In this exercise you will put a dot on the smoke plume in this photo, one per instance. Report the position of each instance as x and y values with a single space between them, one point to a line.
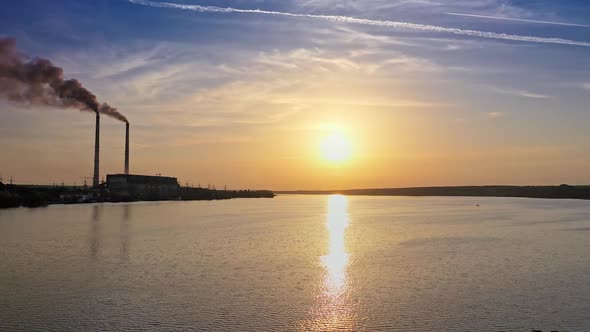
112 112
40 82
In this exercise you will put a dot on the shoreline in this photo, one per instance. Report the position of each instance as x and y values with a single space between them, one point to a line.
12 196
135 201
563 191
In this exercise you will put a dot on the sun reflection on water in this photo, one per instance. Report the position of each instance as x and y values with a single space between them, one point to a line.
336 260
334 309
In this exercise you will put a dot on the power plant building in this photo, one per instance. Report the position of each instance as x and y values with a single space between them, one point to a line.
143 186
130 186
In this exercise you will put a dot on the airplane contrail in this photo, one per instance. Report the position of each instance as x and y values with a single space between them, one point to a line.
519 20
354 20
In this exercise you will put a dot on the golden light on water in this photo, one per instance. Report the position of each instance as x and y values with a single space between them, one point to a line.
334 309
336 260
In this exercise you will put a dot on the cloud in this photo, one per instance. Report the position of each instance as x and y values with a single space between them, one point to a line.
532 95
586 86
303 77
409 63
362 5
522 93
518 20
221 85
354 20
273 88
429 7
495 115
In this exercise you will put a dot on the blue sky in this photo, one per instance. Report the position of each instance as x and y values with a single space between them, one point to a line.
209 91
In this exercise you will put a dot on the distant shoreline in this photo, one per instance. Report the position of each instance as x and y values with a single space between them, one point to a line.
548 192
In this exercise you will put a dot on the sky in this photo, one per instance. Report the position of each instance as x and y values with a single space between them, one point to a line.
241 93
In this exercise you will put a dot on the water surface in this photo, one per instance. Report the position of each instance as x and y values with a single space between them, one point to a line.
300 263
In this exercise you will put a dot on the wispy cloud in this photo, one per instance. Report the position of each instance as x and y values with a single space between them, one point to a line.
518 19
586 86
532 95
408 63
354 20
522 93
290 79
495 115
359 5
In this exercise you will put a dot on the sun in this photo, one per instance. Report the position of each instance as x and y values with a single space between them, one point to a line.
335 148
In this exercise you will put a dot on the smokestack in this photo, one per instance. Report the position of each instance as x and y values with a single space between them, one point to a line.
95 181
127 148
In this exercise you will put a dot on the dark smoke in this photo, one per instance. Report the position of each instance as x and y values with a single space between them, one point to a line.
38 81
111 111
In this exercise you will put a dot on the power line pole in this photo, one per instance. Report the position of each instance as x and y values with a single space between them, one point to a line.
11 188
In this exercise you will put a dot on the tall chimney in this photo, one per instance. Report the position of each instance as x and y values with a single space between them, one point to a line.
95 181
126 147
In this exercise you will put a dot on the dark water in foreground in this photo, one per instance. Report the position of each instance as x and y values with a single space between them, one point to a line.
317 263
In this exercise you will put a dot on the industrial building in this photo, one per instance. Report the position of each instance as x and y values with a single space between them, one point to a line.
129 186
142 186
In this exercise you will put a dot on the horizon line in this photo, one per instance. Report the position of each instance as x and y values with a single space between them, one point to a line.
441 186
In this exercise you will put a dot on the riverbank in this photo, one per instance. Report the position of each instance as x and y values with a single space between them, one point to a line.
38 195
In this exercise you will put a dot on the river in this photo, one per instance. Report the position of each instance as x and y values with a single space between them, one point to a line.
298 263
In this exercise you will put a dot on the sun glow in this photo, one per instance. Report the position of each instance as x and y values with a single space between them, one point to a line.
336 148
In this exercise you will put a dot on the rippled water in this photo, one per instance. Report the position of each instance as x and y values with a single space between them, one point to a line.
298 263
